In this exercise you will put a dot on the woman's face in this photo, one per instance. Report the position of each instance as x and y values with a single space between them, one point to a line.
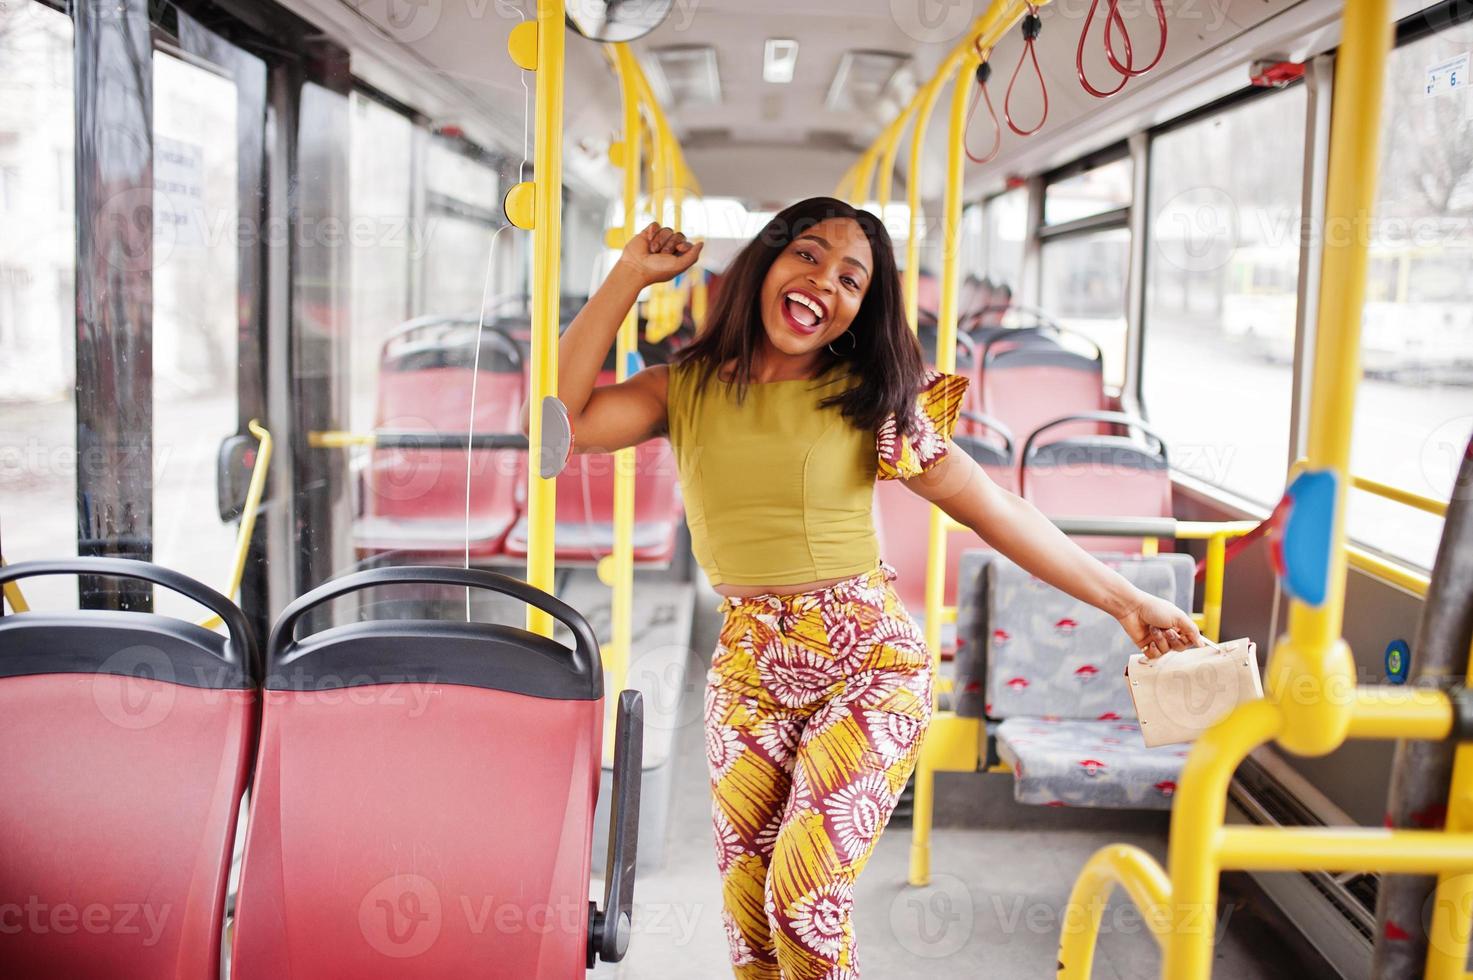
815 286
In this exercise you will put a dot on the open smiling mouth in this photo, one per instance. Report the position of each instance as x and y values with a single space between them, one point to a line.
804 312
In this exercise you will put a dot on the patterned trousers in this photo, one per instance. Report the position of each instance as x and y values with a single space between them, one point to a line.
815 707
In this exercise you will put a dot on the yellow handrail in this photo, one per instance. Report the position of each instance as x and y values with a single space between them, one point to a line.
1400 575
14 595
547 144
946 729
1313 701
255 490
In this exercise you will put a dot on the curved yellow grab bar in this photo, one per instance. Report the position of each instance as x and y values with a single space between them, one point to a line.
254 492
1116 864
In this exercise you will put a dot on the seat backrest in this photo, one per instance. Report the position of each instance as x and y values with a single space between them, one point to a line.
1039 652
1098 476
1033 383
127 740
414 499
424 795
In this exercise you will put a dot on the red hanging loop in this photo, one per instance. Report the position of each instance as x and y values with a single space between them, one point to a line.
1112 19
1032 27
1128 69
984 72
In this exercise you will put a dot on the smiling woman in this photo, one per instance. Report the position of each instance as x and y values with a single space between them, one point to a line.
805 387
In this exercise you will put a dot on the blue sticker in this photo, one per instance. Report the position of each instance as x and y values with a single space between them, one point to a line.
1305 538
633 363
1398 661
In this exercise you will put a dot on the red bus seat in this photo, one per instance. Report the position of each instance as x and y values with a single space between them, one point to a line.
1032 382
414 497
585 503
127 737
1097 475
902 517
424 797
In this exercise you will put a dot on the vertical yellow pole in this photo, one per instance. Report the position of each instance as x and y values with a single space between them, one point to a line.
887 161
1314 660
1311 669
621 613
925 103
546 245
1212 586
920 841
863 178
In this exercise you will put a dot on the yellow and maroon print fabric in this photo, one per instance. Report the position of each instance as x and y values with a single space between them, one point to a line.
935 412
815 707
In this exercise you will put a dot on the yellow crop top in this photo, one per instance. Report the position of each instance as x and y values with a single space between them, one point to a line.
780 491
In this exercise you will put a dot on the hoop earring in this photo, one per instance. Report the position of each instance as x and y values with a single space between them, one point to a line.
853 345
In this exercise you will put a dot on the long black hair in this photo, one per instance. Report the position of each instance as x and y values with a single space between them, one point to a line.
886 356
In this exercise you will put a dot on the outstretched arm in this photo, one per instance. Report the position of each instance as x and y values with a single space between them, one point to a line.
1019 530
625 414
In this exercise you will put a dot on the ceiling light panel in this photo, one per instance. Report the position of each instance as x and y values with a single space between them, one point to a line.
689 74
862 78
779 58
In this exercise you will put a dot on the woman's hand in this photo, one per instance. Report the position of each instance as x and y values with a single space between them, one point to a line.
659 254
1156 626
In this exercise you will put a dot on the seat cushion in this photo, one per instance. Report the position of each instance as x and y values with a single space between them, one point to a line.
1050 654
1088 763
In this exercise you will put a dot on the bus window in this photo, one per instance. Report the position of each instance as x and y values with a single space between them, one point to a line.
194 317
1083 287
1222 272
1004 228
1413 409
38 427
384 243
1095 191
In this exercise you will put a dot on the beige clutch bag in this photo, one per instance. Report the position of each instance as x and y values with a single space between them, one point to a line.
1181 694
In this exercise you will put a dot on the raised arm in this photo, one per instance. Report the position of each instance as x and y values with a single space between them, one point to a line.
1019 530
625 414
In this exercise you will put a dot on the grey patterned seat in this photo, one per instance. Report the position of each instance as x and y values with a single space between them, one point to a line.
1049 669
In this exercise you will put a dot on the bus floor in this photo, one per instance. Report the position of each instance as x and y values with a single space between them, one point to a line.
993 913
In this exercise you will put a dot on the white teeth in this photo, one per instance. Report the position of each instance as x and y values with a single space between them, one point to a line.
800 298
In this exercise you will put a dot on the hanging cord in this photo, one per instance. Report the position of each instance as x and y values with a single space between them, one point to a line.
1112 18
1032 27
1128 70
984 72
470 428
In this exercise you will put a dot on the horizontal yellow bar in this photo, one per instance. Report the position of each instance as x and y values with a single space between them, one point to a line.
1397 574
339 440
1343 849
1402 496
1401 712
1200 530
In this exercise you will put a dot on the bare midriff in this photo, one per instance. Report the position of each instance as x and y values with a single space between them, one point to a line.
747 591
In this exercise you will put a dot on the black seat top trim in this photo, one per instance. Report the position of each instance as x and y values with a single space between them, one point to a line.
402 651
126 644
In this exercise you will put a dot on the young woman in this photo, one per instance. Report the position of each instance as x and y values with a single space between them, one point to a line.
805 386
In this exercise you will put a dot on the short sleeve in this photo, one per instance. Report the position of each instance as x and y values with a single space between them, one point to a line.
934 415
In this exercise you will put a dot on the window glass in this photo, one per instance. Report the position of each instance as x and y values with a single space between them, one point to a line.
194 318
38 511
1004 233
1083 289
1414 407
384 243
1103 188
1222 274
